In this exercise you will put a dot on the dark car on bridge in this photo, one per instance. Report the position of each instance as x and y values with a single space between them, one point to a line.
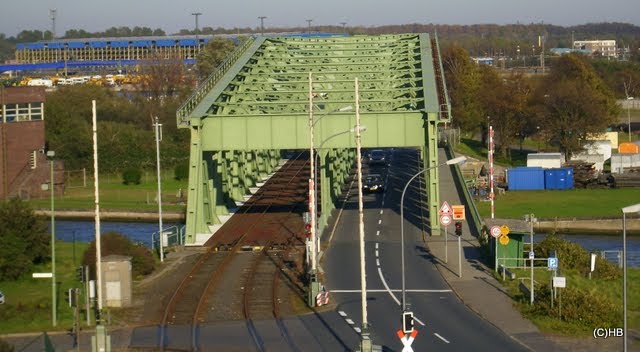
378 157
373 183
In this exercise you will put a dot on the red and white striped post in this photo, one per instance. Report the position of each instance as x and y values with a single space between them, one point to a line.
491 195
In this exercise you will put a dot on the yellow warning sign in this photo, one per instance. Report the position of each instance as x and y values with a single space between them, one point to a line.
504 230
504 240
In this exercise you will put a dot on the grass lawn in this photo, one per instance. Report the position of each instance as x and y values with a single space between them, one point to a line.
28 301
575 203
610 288
116 196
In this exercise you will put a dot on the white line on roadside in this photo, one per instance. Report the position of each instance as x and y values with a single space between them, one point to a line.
376 245
440 337
379 221
342 314
377 262
378 233
381 211
357 329
349 321
384 282
377 253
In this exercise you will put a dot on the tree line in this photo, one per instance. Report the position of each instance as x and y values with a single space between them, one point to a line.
575 100
478 39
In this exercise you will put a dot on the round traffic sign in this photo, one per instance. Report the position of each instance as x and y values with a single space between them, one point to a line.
495 231
504 240
504 230
445 220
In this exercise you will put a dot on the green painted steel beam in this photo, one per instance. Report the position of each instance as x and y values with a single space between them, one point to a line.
260 103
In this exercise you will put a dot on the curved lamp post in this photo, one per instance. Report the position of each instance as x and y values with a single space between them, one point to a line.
454 161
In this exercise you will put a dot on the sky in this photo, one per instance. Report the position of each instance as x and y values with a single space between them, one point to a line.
171 16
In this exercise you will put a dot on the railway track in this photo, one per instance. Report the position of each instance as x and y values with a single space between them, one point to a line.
207 293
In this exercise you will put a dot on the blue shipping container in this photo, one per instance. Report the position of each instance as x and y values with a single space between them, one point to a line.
525 178
558 178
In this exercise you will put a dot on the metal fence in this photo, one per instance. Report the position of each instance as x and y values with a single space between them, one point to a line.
172 236
633 257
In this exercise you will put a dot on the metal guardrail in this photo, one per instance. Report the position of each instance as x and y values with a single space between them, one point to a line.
205 86
174 237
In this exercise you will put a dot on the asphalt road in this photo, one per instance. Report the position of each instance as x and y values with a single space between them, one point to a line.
442 321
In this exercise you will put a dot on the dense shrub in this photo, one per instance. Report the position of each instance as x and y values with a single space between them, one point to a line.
181 171
587 308
142 259
573 256
23 240
131 176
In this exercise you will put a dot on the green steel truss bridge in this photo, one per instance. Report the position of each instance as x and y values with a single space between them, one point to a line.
257 104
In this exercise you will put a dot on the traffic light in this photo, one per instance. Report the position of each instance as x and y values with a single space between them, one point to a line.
407 322
80 274
459 228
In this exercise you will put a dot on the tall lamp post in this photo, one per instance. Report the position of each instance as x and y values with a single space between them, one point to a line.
50 155
626 210
158 129
454 161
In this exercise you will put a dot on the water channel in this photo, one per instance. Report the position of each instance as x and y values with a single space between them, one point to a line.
84 231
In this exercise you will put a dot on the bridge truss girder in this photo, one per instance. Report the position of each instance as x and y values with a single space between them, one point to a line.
260 106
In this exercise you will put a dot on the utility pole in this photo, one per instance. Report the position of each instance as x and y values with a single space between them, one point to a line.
262 24
197 14
344 25
52 15
309 27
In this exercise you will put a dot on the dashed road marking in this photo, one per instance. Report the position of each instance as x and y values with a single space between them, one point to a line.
378 233
379 221
440 337
376 245
349 321
377 262
376 253
342 314
357 329
381 211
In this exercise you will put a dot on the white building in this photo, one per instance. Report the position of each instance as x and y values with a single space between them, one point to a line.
606 48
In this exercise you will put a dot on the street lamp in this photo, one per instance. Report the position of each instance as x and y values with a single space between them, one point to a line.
314 285
50 155
630 209
315 175
158 129
454 161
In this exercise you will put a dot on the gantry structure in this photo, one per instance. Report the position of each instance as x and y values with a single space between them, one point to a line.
257 104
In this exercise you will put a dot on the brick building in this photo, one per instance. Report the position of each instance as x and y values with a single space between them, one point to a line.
24 166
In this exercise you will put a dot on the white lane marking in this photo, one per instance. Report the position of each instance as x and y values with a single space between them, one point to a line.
418 290
381 211
342 314
378 233
376 245
377 262
349 321
357 329
440 337
415 290
379 221
384 282
376 253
